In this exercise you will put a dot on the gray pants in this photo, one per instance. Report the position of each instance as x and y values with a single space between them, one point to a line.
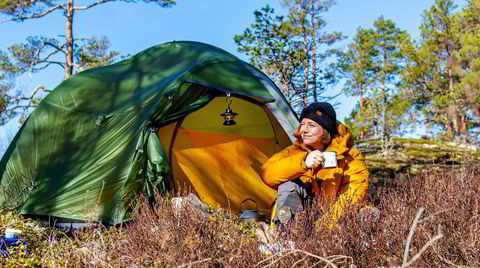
292 197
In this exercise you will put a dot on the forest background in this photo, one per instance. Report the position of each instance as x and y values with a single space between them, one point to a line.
402 69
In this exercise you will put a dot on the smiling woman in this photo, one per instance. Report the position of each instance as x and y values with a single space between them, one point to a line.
299 172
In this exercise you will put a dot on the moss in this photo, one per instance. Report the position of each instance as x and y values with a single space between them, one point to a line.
373 141
426 154
376 160
415 141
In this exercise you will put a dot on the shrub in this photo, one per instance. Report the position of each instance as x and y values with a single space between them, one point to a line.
159 236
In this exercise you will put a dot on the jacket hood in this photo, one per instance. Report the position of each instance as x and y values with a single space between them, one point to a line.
343 141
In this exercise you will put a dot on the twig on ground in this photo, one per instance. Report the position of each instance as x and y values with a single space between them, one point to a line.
195 262
433 215
429 243
410 235
329 261
406 262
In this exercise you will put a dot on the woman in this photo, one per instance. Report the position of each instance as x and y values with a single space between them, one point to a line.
298 174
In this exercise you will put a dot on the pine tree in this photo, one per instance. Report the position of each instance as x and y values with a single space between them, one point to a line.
357 65
21 10
40 52
373 63
467 25
270 46
432 69
387 40
282 48
305 17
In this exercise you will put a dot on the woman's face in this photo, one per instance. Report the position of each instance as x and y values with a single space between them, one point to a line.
312 134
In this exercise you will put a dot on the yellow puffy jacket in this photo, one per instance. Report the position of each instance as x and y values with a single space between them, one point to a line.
341 186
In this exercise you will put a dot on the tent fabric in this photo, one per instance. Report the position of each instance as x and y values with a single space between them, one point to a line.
203 130
92 144
229 173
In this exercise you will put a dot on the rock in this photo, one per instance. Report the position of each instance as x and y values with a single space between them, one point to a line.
369 214
277 248
430 146
179 203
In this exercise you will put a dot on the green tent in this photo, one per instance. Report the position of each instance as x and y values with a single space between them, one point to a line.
149 122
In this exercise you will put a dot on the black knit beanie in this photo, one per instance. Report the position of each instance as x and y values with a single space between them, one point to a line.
322 113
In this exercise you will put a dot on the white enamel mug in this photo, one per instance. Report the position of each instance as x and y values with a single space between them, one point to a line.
11 233
330 159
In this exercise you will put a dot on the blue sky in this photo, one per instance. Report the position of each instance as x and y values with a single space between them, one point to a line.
132 28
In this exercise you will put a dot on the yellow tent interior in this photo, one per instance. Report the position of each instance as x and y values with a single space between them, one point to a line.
222 163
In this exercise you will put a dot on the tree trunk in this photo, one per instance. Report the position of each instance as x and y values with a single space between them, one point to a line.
374 121
449 125
384 97
464 127
384 114
454 115
305 65
68 68
285 90
362 132
314 56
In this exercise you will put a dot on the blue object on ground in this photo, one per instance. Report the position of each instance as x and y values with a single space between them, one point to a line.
6 242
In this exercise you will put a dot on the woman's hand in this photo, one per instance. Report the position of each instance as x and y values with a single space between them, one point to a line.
314 159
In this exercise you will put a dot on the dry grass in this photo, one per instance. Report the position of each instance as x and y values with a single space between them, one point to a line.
430 219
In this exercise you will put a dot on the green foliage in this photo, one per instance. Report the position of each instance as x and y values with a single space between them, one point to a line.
40 52
414 141
288 49
94 53
37 54
436 68
467 26
20 10
372 65
270 46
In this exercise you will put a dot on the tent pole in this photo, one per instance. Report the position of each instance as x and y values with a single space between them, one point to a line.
265 109
170 150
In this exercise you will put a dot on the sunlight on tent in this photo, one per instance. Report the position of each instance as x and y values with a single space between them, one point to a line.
221 163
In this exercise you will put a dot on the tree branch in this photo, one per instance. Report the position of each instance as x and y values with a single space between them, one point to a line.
92 5
47 64
56 47
35 16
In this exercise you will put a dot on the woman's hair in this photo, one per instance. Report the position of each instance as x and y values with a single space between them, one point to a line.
298 135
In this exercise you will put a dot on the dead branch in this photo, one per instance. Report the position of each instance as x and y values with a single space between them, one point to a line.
433 215
410 234
406 262
195 262
329 261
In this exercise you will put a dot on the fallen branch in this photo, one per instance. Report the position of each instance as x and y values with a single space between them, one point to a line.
406 262
328 261
410 235
195 262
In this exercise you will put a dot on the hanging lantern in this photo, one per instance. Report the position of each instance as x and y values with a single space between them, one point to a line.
229 115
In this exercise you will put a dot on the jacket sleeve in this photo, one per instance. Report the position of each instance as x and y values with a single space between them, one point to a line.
285 165
354 183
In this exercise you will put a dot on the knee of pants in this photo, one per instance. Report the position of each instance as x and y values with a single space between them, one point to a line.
286 187
287 196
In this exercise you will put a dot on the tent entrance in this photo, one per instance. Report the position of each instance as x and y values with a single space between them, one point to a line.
222 163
